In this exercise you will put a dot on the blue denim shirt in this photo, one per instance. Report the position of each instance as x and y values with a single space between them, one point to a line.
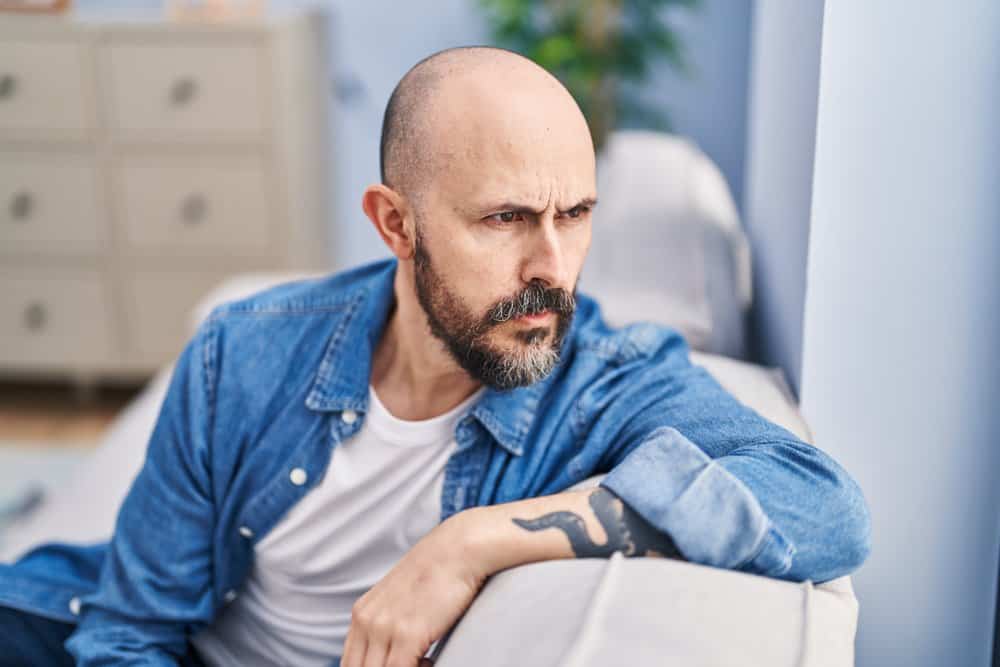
270 385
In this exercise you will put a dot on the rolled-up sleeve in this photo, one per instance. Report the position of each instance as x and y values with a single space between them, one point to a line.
711 515
732 489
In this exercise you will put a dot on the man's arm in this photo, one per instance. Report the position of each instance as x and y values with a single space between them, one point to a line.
590 523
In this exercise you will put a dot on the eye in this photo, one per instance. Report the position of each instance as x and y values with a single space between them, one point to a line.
578 211
506 217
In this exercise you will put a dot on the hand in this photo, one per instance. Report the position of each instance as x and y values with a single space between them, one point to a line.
421 597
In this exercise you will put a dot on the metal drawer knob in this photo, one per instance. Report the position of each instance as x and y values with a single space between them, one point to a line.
8 85
35 316
194 209
183 91
21 205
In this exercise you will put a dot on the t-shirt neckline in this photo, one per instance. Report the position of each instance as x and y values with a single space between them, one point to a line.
415 433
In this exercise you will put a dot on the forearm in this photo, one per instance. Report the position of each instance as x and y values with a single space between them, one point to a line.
592 523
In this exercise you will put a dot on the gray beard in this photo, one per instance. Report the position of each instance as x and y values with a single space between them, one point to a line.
465 336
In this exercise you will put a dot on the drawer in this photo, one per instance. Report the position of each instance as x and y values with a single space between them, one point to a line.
205 206
54 318
187 88
159 308
49 202
42 86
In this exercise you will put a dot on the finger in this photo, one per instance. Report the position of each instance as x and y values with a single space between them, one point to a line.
354 649
399 656
375 653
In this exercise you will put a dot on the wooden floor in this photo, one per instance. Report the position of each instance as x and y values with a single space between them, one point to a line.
58 414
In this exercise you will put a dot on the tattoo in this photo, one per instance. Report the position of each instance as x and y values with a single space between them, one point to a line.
626 530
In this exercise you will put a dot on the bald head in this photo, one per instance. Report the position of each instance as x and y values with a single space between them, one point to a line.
463 95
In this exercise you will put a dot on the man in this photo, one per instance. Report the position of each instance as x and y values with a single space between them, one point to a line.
341 463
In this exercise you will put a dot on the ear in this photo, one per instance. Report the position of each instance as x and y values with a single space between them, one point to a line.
388 210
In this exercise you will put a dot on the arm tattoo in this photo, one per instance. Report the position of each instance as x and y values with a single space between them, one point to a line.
627 531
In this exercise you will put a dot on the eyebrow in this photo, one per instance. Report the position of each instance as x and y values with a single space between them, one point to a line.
521 208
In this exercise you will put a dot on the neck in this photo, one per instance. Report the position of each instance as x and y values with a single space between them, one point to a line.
412 372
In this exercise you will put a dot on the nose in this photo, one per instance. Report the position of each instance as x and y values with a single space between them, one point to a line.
545 261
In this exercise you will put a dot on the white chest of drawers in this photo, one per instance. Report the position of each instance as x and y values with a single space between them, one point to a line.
142 162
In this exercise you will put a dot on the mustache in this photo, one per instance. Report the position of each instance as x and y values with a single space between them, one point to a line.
533 299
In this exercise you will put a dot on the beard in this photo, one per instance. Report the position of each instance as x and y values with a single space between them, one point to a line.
466 335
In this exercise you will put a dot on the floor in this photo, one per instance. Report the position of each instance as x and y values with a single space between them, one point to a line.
47 415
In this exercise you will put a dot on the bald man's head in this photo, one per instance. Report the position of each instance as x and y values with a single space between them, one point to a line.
412 133
489 179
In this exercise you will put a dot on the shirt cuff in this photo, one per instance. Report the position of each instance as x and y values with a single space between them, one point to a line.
712 517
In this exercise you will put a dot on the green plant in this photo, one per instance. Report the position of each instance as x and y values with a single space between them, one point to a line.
599 49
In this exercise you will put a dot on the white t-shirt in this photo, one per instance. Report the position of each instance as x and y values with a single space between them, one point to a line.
380 495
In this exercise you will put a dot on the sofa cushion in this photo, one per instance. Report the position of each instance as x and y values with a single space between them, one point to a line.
669 248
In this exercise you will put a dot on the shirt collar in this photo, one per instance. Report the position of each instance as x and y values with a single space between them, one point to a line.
342 378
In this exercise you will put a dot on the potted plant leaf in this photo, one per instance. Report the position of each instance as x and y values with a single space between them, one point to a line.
599 49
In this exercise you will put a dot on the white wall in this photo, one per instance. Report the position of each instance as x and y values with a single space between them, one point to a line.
901 369
780 141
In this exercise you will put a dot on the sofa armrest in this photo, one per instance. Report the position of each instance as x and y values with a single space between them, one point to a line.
649 611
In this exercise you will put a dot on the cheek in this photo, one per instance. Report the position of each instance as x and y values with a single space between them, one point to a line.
475 283
455 260
485 275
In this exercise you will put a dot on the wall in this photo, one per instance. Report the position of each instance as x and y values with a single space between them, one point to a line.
710 104
780 142
901 373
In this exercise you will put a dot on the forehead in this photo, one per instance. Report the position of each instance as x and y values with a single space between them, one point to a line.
514 147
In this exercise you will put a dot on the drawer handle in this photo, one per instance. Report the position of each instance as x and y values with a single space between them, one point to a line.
35 316
194 209
8 86
20 205
183 91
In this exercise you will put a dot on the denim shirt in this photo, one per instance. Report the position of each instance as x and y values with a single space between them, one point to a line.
271 384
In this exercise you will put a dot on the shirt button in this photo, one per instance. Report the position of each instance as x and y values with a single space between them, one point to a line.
74 606
349 416
298 476
230 596
246 532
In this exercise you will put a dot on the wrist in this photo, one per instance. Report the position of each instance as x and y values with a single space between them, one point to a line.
475 549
